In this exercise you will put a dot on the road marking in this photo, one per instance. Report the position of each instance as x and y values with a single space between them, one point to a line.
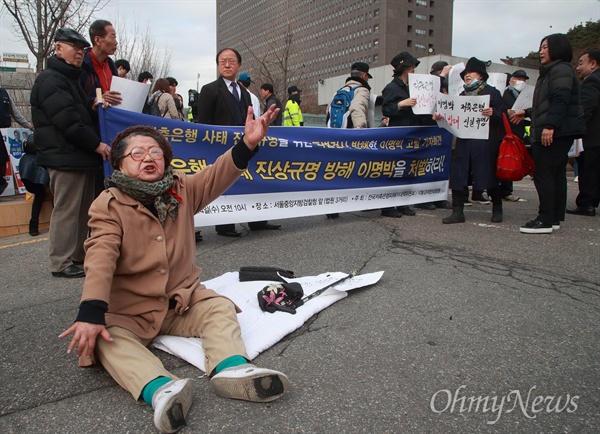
24 242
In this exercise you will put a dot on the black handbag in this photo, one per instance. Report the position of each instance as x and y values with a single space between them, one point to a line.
284 297
276 274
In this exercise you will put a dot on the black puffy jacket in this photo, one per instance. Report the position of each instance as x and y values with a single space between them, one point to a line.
64 130
557 103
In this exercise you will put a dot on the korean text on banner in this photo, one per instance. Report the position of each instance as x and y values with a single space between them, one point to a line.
307 171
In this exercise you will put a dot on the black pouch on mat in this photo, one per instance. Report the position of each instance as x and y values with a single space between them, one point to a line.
284 297
248 274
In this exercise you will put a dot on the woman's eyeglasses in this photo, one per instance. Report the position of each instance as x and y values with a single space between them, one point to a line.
138 154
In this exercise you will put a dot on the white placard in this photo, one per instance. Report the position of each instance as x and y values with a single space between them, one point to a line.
525 99
461 115
498 80
424 88
133 93
455 81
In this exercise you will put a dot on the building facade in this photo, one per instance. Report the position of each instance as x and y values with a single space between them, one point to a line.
303 41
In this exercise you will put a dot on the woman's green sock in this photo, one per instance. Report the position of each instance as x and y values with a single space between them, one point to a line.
150 389
230 362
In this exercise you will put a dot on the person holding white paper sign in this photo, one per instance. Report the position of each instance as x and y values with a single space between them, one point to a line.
398 107
474 160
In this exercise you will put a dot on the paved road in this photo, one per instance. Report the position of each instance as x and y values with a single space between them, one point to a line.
473 327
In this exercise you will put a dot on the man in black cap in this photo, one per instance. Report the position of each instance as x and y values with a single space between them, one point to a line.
357 115
441 69
515 86
397 106
69 147
245 80
292 116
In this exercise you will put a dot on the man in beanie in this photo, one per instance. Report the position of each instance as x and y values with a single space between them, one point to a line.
69 147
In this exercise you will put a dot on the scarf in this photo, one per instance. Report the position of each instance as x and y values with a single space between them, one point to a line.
475 89
160 193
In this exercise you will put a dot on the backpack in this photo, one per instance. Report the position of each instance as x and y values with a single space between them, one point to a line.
339 109
153 104
513 161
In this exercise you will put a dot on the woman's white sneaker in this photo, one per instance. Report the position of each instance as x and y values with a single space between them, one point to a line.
171 404
250 383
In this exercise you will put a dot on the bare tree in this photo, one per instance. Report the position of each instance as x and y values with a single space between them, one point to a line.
37 20
273 64
139 48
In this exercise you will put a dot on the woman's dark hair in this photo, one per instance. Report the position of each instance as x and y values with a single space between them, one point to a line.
161 84
559 47
119 144
236 52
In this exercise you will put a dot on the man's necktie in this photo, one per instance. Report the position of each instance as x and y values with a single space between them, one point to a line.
234 91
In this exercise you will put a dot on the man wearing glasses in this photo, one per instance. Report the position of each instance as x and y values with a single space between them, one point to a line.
69 147
224 102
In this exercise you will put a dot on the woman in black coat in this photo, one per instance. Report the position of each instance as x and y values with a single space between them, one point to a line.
397 107
555 123
475 159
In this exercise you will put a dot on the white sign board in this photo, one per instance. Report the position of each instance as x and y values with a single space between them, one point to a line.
424 88
133 93
525 99
498 80
461 115
455 81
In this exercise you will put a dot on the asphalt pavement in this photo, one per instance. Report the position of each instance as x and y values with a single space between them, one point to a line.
473 327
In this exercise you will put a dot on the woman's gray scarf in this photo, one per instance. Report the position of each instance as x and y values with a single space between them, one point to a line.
160 193
474 90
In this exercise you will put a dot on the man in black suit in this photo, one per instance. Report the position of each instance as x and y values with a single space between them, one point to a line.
224 102
587 200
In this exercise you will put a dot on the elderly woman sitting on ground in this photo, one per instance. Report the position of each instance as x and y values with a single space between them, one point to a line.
142 279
